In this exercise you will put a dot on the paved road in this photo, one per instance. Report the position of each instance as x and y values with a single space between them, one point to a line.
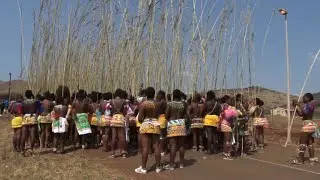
272 163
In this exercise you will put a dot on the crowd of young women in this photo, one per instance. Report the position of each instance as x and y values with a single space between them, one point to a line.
152 123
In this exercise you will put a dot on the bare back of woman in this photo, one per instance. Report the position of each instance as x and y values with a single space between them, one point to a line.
176 114
211 120
29 127
81 108
161 106
45 120
195 112
149 131
118 124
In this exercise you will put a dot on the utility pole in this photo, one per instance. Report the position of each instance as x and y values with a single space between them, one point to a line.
285 13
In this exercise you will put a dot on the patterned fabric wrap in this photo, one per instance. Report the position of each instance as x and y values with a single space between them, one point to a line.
150 126
197 123
176 128
107 111
16 122
241 126
230 112
29 119
308 108
259 121
225 126
82 124
211 120
45 119
162 120
95 119
309 126
105 121
129 110
227 116
118 120
60 125
15 108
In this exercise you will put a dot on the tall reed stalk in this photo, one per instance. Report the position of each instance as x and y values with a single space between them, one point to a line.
103 45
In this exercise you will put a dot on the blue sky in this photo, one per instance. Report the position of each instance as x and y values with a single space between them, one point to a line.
304 41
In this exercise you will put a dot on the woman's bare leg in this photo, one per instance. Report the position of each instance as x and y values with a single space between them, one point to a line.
173 144
214 139
55 141
14 140
156 146
25 136
122 140
144 140
33 131
47 135
94 137
114 140
227 145
302 146
310 146
209 139
106 138
19 134
43 134
61 140
181 145
195 136
163 141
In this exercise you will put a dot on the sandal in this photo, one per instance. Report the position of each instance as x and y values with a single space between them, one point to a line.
227 157
201 148
315 159
112 155
194 148
158 169
296 161
140 170
168 167
124 156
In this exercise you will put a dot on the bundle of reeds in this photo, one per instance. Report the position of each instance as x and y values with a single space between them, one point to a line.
108 44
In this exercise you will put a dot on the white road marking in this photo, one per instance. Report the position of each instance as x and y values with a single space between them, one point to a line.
282 165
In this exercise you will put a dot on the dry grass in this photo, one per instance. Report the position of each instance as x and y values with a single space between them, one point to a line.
73 165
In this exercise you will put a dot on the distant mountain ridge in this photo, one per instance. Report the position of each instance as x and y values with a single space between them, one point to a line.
17 87
271 98
316 96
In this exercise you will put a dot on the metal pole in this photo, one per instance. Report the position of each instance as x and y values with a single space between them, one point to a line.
288 82
9 93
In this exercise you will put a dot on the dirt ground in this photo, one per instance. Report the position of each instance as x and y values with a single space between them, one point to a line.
72 165
95 164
